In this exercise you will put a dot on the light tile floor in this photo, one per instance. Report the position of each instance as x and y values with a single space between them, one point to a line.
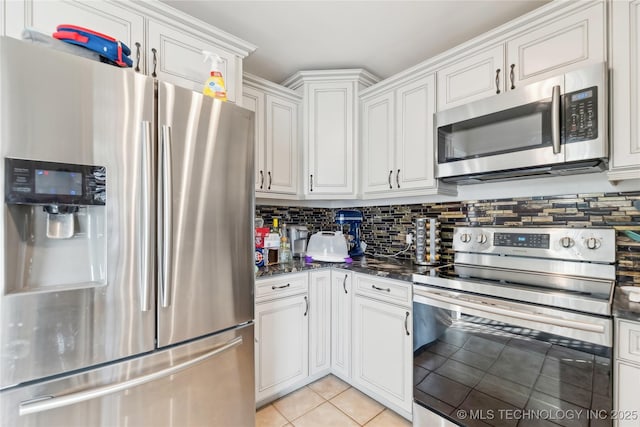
327 402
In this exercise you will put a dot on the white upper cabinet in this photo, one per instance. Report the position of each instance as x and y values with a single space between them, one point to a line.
474 77
164 42
281 165
416 104
175 56
106 18
277 137
253 99
625 90
378 148
398 139
562 43
330 124
554 42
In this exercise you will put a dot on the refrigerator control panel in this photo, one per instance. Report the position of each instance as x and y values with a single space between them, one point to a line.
37 182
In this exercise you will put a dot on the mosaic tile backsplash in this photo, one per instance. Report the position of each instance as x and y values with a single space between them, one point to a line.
384 227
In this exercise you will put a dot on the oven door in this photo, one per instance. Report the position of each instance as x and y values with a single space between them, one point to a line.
485 361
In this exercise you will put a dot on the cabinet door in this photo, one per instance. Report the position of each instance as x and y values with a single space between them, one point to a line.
103 17
625 97
415 106
253 99
319 321
627 402
551 48
282 344
330 139
382 351
378 142
179 60
281 146
475 77
341 299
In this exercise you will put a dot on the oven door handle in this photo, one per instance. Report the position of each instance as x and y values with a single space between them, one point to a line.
492 309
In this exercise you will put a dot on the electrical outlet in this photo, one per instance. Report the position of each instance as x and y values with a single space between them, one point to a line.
409 238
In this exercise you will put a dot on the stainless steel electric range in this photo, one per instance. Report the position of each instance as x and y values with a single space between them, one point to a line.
517 331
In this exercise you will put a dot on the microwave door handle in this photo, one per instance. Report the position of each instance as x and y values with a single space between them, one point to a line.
555 119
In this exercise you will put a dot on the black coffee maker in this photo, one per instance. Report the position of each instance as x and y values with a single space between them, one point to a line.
353 218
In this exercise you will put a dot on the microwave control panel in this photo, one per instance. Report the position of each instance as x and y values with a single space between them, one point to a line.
35 182
581 115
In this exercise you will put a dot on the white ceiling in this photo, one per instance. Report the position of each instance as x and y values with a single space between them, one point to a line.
384 37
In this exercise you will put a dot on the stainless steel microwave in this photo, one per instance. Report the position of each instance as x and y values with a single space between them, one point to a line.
557 126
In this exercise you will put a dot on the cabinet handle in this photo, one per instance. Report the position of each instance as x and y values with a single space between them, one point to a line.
498 80
306 301
381 289
344 284
155 62
269 187
261 180
311 182
406 322
137 57
398 178
280 287
512 76
390 186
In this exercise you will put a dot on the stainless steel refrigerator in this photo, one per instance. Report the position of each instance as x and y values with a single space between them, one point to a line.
127 263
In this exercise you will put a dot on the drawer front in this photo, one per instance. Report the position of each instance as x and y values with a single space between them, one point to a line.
393 291
281 286
628 341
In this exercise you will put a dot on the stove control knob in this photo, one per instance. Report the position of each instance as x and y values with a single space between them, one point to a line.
465 237
481 238
592 243
566 242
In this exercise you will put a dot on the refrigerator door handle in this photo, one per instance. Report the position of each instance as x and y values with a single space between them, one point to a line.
145 255
167 220
41 404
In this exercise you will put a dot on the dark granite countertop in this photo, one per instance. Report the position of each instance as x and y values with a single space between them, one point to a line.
390 268
622 308
399 269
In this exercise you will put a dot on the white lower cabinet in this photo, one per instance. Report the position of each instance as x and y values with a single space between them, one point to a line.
627 374
382 346
319 322
341 301
356 326
281 336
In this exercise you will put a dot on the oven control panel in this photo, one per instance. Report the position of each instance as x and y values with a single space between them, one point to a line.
575 244
522 240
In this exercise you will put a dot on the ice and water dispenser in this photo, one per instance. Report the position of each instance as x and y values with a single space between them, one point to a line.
55 225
